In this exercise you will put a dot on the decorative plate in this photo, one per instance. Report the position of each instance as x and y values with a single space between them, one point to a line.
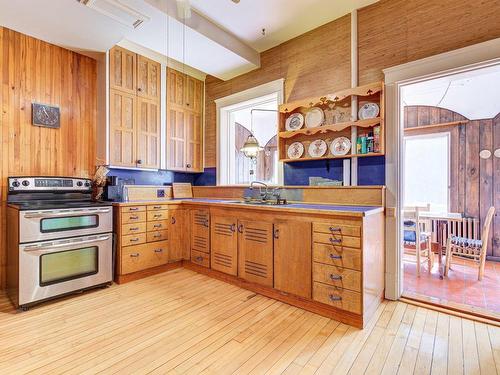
295 150
368 110
317 148
340 146
294 122
314 117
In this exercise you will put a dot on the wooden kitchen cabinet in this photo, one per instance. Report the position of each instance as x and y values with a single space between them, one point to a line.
178 234
123 135
224 244
122 70
148 78
200 230
134 118
292 257
148 133
255 252
184 122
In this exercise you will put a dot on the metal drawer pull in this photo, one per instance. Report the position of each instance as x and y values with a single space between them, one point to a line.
156 207
335 240
157 215
173 220
134 255
233 228
335 298
335 229
135 228
335 277
199 259
206 223
276 233
240 228
333 256
134 239
133 209
157 235
157 226
134 217
76 212
158 250
64 244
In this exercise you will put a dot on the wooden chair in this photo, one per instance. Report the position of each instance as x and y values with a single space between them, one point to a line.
417 237
470 248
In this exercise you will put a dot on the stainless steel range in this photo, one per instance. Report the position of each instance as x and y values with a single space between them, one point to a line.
59 241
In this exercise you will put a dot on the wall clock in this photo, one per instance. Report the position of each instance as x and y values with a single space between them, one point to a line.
46 115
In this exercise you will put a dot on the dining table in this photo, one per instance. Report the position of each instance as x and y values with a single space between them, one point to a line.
442 220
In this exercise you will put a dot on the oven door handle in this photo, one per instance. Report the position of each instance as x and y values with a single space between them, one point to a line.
67 244
47 214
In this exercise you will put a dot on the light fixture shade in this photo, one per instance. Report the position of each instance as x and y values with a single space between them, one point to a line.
251 147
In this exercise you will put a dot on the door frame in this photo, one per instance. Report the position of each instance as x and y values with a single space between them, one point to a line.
461 60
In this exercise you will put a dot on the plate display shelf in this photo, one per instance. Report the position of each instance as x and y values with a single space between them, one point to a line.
338 122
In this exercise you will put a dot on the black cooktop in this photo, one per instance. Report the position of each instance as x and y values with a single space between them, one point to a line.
53 205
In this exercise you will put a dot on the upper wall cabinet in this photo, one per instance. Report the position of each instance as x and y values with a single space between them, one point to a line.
184 122
148 78
122 70
134 111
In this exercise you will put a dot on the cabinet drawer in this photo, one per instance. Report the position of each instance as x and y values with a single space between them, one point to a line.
133 239
157 225
335 228
133 209
337 276
200 258
159 235
141 257
337 256
341 298
158 215
156 207
133 217
337 240
133 228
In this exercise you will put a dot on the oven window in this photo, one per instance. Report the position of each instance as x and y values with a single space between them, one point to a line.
68 265
59 224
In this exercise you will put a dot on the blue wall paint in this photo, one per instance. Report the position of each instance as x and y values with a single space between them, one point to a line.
298 173
371 171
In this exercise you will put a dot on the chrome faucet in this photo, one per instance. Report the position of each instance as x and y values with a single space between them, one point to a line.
263 195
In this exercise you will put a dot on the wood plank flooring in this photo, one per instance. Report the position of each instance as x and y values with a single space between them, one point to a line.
181 322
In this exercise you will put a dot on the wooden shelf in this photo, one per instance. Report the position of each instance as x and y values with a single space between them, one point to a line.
331 128
328 157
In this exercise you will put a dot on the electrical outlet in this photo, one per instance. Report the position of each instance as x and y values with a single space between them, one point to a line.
160 193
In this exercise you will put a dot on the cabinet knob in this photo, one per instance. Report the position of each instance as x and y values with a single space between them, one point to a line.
139 89
188 165
187 104
199 259
139 162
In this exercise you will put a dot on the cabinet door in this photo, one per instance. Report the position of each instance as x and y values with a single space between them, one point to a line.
148 78
199 90
176 93
255 247
122 122
224 244
178 235
122 70
200 230
148 133
194 154
176 139
292 257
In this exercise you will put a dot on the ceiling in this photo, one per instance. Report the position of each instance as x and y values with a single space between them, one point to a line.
282 19
220 38
472 94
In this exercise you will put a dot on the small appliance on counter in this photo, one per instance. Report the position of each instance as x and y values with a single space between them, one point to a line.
59 241
113 190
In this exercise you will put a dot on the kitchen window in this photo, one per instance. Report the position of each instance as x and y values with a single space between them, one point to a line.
249 113
427 171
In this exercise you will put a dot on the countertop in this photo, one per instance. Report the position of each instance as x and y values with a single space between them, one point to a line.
291 207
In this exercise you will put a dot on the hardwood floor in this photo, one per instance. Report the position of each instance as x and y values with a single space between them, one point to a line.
182 322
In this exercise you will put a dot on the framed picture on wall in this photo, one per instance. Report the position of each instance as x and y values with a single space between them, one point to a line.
46 115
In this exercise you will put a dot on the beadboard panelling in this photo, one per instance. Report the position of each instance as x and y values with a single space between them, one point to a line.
34 71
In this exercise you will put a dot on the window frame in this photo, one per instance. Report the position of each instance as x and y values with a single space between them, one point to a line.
231 103
446 135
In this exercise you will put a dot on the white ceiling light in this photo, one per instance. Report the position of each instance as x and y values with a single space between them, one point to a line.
118 11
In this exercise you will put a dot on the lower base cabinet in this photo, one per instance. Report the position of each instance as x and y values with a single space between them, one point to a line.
179 235
141 257
224 244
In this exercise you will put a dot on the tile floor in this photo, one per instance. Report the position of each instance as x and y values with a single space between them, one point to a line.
461 287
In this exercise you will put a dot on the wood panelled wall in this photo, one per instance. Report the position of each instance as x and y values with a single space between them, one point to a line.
34 71
475 182
390 32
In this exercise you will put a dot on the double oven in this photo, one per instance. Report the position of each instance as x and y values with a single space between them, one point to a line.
63 241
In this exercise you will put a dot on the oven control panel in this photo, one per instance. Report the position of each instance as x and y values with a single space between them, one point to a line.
49 184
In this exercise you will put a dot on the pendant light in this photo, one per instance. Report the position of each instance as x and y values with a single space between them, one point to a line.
251 147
